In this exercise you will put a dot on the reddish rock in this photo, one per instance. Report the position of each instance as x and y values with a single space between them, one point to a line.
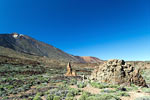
70 72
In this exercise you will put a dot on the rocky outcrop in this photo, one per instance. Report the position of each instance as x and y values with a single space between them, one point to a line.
118 72
70 72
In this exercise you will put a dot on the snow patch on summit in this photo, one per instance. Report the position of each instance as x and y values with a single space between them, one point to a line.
16 35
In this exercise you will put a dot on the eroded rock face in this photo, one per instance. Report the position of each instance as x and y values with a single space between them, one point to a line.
70 72
118 72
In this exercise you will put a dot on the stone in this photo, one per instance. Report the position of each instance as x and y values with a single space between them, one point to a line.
70 72
116 71
122 89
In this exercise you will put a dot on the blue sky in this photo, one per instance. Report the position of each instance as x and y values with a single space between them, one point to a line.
102 28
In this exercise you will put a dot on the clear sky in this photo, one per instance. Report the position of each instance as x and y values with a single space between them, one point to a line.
102 28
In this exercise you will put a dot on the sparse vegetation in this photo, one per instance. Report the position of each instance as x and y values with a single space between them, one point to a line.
103 85
146 75
81 84
143 98
146 90
86 96
51 84
37 97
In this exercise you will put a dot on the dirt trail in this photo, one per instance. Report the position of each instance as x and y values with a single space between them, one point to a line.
134 95
89 88
92 90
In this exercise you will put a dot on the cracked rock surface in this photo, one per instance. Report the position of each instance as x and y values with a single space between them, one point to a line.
116 71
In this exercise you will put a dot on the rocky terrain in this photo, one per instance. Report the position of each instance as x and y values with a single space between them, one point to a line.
118 72
24 79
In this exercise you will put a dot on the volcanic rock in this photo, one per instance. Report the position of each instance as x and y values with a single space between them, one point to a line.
118 72
70 72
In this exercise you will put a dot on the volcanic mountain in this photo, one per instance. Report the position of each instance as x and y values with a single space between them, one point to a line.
25 44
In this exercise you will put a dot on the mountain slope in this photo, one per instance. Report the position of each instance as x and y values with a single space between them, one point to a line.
28 45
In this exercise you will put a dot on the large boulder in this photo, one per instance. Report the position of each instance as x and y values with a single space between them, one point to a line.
118 72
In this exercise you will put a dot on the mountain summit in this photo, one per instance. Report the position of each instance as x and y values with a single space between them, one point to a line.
25 44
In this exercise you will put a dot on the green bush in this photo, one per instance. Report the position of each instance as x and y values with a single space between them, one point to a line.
74 91
122 94
108 97
69 98
73 82
146 75
37 97
50 97
146 90
103 85
143 98
134 87
115 92
5 98
113 86
108 91
64 82
63 86
56 98
70 94
84 96
93 98
102 97
81 84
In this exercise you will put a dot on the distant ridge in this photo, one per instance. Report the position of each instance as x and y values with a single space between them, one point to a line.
89 59
25 44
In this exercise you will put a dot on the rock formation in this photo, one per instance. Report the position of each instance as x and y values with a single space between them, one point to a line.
70 72
118 72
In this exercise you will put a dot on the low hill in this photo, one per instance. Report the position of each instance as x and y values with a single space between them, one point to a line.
88 59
